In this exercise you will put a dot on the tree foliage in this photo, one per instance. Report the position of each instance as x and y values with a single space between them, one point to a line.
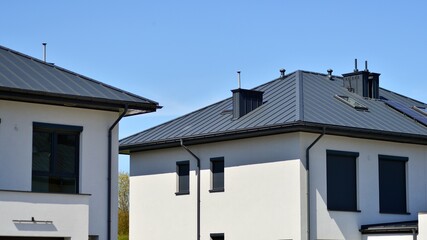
123 203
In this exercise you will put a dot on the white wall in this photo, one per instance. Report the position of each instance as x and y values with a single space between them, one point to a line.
345 225
265 189
262 198
398 236
72 222
422 226
16 129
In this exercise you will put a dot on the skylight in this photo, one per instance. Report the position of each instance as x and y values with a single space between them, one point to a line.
352 102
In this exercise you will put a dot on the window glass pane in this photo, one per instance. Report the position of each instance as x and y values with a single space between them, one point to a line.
217 236
65 161
62 185
341 182
40 184
55 159
183 177
392 181
217 174
42 147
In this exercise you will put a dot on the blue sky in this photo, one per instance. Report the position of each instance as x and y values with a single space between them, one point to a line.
185 54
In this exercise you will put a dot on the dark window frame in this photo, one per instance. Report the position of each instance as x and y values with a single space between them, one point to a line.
383 159
215 236
179 178
214 175
352 178
54 130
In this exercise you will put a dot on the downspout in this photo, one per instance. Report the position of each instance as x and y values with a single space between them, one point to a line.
307 157
414 234
198 186
110 130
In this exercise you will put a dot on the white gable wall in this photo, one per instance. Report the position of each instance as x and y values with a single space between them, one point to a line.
345 225
265 189
16 130
262 198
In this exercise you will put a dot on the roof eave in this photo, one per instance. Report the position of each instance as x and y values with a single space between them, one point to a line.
279 129
135 108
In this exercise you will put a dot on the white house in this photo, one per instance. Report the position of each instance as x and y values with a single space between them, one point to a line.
59 150
305 156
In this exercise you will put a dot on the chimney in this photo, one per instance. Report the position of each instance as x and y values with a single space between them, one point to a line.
245 101
364 83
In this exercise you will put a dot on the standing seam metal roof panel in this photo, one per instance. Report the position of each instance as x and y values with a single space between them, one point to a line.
321 107
24 73
300 97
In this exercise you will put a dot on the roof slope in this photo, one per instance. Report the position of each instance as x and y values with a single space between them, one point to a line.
20 73
300 99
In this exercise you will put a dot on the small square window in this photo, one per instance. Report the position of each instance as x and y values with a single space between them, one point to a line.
183 177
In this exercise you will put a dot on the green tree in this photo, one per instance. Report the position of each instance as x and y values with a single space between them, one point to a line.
123 204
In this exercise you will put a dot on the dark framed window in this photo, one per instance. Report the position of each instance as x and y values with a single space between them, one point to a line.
217 174
392 184
55 163
217 236
183 177
341 174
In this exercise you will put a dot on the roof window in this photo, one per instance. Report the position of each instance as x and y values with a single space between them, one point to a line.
352 102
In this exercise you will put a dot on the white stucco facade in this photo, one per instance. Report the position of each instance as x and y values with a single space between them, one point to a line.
265 190
345 225
258 201
73 216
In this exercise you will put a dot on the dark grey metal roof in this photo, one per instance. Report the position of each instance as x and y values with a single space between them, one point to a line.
22 75
300 101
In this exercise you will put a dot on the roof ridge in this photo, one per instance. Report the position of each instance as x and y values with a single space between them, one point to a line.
276 79
400 95
318 73
75 74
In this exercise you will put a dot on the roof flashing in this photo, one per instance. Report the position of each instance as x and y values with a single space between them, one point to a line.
352 102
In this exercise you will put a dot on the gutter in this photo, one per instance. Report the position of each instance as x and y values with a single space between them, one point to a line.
110 130
307 157
279 129
198 186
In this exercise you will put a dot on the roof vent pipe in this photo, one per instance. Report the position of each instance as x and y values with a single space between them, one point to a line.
355 65
282 73
330 74
366 66
238 79
44 51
